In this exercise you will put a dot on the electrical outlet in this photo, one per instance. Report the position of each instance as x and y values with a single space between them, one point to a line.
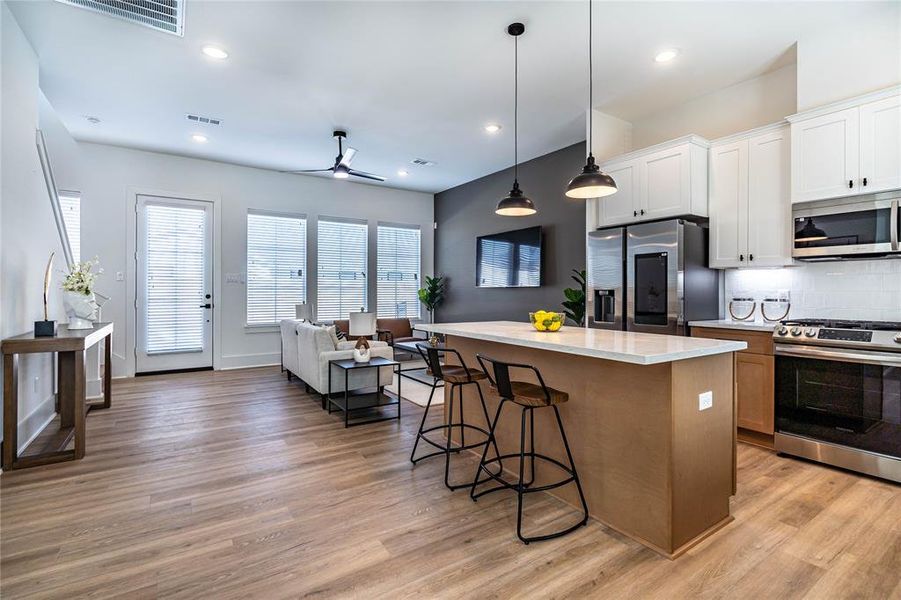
705 400
120 276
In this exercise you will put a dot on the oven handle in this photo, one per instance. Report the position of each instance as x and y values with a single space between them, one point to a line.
895 225
885 359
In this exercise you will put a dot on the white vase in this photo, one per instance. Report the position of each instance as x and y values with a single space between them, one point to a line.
81 309
361 355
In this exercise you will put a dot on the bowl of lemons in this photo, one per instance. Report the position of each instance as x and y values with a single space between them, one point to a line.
543 320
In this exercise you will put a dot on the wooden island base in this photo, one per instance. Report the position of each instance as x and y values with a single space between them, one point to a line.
653 466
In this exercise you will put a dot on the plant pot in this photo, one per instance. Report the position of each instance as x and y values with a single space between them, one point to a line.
81 309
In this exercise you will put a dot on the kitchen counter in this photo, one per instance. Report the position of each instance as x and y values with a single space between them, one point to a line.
741 325
620 346
650 421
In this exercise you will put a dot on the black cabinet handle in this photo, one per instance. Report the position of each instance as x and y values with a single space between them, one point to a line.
750 257
642 211
741 257
634 213
850 183
864 181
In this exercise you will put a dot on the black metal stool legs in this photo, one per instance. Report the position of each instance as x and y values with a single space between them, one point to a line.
448 447
522 487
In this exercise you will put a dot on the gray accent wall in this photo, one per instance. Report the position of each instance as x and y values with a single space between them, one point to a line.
467 211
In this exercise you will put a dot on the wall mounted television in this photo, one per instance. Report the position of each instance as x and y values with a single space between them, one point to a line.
509 259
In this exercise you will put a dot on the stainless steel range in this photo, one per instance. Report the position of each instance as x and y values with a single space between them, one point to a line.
838 394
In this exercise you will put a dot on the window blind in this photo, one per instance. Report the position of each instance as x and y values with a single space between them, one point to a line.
70 203
276 267
397 285
175 278
341 268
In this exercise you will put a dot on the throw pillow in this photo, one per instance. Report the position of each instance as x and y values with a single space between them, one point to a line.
334 334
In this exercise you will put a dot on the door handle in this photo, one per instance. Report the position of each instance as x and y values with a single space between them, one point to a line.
207 305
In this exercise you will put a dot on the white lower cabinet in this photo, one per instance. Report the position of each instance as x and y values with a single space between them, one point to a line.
750 204
663 181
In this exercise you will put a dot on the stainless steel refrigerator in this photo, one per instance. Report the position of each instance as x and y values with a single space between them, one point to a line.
651 277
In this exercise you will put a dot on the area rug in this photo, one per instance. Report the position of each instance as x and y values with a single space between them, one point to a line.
414 391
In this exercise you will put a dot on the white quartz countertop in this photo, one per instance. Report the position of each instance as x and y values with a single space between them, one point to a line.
622 346
730 324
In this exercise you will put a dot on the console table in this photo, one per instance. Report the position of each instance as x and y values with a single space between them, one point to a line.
70 347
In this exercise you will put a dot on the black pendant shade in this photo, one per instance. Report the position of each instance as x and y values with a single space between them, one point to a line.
515 204
810 233
591 182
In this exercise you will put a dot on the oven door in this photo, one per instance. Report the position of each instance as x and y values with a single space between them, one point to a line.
850 398
836 230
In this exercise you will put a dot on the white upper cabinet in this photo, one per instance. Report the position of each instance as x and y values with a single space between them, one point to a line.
880 145
848 148
728 204
621 206
750 209
663 181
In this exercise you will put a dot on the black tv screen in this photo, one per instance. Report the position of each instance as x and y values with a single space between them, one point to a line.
509 259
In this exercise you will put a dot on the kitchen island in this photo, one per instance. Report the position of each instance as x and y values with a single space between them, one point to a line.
656 462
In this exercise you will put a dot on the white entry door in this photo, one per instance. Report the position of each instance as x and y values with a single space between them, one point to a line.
174 324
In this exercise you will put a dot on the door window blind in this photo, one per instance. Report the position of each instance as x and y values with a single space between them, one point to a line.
276 267
397 285
175 278
342 256
70 203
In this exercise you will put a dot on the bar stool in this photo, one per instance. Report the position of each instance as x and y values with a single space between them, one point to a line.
529 396
457 377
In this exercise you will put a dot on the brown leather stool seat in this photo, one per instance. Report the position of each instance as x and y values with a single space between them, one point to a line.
530 394
452 374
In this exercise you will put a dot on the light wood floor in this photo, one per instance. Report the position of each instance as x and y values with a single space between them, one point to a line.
236 485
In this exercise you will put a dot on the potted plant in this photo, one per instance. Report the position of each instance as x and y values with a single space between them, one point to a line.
432 295
78 294
574 305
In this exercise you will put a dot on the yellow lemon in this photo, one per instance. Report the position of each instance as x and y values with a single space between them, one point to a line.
539 324
555 325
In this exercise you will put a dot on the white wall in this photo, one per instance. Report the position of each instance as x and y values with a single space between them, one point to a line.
111 177
854 59
26 219
868 289
746 105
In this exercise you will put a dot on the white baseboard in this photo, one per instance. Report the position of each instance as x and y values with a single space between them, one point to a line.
243 361
275 364
35 421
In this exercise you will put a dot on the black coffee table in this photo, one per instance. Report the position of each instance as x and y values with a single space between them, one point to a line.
419 374
363 399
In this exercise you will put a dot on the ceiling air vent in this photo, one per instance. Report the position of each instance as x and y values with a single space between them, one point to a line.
421 162
204 120
162 15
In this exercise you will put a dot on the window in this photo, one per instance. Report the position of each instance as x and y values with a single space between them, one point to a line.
276 266
342 250
70 204
398 271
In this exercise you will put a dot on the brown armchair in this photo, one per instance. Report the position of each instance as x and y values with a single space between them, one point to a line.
394 330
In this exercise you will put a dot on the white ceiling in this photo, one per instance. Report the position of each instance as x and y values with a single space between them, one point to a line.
406 79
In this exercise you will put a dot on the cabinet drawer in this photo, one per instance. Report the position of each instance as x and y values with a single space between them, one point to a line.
759 342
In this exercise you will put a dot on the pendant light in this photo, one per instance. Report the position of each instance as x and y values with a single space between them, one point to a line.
810 233
516 204
591 182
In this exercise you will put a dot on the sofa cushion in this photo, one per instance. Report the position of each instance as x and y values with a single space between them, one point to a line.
342 326
333 334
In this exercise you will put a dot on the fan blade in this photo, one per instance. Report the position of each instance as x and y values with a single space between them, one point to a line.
365 175
310 170
348 157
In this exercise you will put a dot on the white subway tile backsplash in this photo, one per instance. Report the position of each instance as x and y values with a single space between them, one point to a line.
839 290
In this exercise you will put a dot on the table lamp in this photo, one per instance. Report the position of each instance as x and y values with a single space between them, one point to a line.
362 326
303 311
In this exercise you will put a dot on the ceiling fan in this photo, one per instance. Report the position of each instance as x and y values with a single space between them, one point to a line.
341 169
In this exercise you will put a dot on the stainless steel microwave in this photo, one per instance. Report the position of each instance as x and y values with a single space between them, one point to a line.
845 229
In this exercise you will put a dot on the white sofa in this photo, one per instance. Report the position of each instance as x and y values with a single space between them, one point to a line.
307 350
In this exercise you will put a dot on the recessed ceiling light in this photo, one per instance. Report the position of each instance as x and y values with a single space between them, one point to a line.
215 52
666 55
492 127
199 138
402 173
